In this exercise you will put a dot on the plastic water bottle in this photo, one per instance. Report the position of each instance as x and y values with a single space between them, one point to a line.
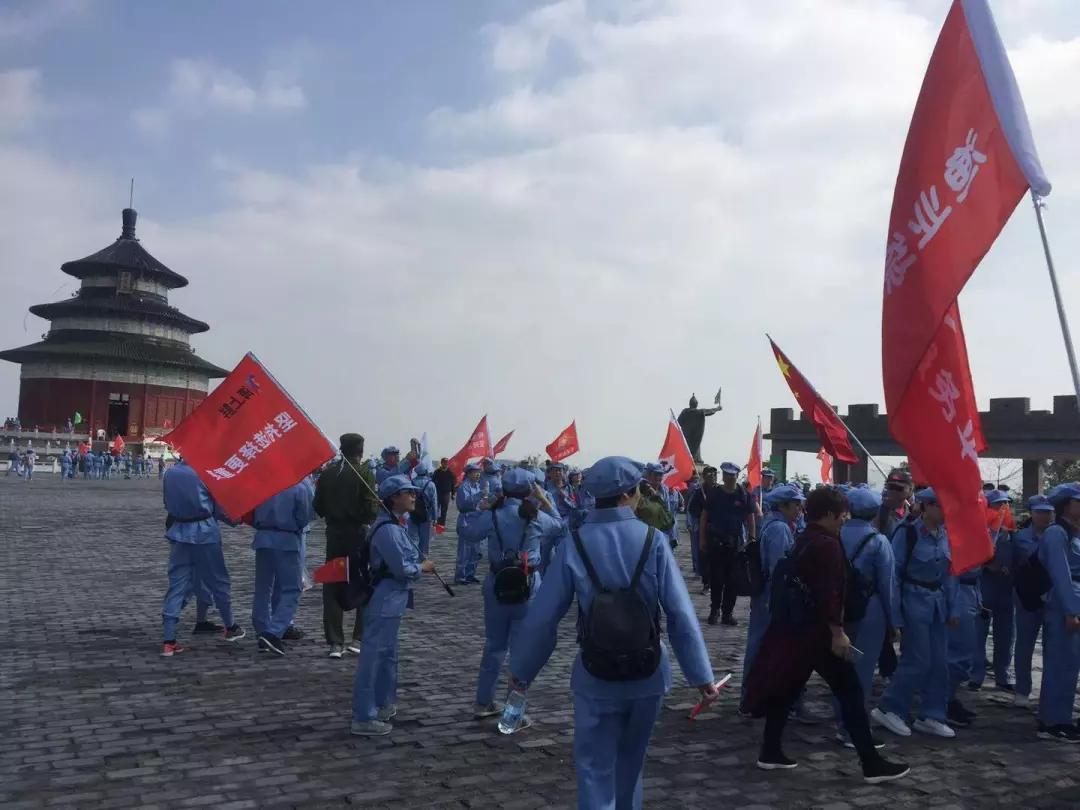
513 712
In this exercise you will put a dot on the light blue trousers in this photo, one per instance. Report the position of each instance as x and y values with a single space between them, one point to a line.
610 741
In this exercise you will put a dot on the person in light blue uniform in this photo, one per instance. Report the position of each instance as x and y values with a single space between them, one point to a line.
693 512
928 605
613 720
279 530
395 565
99 464
195 550
996 585
584 502
420 531
784 504
65 465
470 496
561 498
1025 550
491 478
871 554
768 482
1059 553
654 475
510 530
391 465
966 647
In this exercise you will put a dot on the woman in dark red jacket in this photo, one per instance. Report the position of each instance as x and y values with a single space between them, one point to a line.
789 654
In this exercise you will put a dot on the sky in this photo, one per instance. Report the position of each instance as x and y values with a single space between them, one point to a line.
416 213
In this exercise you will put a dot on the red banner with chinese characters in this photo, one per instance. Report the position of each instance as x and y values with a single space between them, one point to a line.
478 446
968 160
676 452
565 444
248 440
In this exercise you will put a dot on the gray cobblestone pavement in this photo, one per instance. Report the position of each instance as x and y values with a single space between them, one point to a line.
92 716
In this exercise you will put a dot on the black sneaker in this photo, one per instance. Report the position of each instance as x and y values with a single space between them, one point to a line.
775 762
882 770
713 614
729 620
1062 733
207 627
272 643
1006 687
974 687
704 588
958 715
234 633
292 633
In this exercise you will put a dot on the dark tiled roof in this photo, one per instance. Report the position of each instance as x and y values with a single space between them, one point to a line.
124 254
122 305
112 346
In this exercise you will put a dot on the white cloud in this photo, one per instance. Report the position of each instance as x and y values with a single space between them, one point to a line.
20 98
36 17
649 192
201 87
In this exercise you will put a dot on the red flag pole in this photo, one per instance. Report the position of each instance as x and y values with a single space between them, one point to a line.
1065 333
842 422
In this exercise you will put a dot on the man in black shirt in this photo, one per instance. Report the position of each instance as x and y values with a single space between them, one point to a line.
728 513
445 484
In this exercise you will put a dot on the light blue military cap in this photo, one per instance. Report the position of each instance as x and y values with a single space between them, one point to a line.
654 468
389 451
785 493
863 500
612 476
556 465
727 468
1039 503
996 496
395 484
767 473
517 482
488 462
926 495
472 466
1064 492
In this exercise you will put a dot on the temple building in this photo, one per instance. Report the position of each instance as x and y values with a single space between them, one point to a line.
116 352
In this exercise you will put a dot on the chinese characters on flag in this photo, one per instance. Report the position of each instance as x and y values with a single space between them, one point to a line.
478 446
248 440
676 452
565 444
968 160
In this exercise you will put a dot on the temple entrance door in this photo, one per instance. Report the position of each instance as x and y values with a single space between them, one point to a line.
119 405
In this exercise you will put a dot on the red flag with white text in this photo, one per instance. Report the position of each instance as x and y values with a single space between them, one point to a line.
565 444
968 160
249 439
478 446
753 466
502 444
676 452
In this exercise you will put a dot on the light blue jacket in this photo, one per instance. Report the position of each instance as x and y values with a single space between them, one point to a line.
280 521
430 495
777 540
875 562
613 539
189 501
1059 552
468 497
396 560
929 563
517 535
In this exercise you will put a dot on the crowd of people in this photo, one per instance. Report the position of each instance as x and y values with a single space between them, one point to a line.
87 464
836 576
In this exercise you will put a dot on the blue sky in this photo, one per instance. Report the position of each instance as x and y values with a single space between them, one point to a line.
419 212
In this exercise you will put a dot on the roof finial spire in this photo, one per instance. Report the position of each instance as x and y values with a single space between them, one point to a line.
131 194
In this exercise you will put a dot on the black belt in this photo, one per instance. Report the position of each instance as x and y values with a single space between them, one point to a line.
930 586
973 581
278 529
171 520
1076 577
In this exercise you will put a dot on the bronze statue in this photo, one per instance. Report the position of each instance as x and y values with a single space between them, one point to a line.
692 422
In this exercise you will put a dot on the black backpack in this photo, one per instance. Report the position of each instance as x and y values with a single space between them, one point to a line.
1032 581
419 513
357 592
619 636
511 585
859 589
791 604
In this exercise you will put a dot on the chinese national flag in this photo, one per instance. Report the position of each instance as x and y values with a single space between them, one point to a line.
968 160
478 446
248 440
502 444
753 466
676 452
830 429
565 444
335 570
826 466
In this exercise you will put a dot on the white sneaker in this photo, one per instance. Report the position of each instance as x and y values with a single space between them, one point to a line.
353 647
387 713
935 727
1022 701
336 651
891 721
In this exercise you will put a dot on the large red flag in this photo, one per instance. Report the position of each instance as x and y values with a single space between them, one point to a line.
502 444
676 452
249 439
753 466
565 444
478 446
117 446
830 429
968 159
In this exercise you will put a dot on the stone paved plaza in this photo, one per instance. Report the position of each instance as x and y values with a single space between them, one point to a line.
92 716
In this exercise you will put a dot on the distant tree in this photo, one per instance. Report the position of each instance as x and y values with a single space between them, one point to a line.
1060 471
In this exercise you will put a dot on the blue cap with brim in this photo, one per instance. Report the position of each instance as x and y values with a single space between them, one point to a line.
390 451
612 476
995 497
926 496
1039 503
517 482
786 493
1063 493
863 500
395 484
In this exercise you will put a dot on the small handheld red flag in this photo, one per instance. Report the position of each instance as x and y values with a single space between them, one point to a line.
676 452
753 466
565 444
502 444
117 446
249 439
478 446
335 570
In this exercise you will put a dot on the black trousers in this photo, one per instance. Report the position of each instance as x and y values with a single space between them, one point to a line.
721 565
843 680
444 507
887 661
340 540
